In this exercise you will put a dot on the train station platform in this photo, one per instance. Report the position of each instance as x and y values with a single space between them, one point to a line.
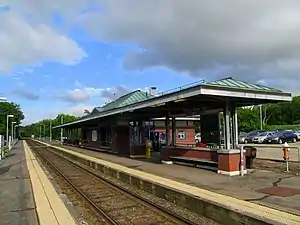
263 193
27 195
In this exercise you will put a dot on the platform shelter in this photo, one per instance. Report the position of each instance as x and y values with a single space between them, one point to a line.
121 126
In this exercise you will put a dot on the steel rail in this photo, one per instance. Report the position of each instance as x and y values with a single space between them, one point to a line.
97 208
169 214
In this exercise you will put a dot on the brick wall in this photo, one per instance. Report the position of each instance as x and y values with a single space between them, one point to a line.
189 135
122 145
207 154
88 136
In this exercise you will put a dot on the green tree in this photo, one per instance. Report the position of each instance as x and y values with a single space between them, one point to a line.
7 108
248 119
284 113
42 128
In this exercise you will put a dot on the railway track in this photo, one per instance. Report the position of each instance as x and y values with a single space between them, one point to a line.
110 201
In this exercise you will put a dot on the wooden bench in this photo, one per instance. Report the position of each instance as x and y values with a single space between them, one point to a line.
202 163
212 145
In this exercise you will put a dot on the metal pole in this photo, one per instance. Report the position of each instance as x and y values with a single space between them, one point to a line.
242 161
50 138
44 131
261 117
12 131
61 129
7 124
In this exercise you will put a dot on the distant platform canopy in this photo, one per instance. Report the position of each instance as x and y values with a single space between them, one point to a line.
186 101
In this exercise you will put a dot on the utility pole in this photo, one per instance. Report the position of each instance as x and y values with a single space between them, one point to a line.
261 117
7 127
50 130
61 129
44 131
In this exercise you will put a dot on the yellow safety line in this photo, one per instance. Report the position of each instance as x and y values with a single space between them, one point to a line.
50 208
234 204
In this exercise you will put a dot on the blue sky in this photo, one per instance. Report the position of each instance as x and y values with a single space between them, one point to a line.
66 56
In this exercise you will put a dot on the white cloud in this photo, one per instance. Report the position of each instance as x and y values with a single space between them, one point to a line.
198 35
78 110
35 115
24 44
77 95
26 94
22 91
43 10
84 94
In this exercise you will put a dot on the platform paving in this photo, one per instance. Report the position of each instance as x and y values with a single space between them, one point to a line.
17 205
248 188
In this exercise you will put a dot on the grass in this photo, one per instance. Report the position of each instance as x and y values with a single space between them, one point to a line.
283 127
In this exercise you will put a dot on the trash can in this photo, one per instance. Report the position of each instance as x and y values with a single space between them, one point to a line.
250 156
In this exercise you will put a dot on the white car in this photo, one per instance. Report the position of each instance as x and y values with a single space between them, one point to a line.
297 132
198 138
262 137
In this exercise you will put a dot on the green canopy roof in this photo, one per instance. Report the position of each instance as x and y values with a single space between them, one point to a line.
128 99
242 85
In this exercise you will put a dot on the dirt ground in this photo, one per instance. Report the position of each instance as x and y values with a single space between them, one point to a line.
277 166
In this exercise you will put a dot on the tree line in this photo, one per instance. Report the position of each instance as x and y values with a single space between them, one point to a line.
285 115
42 128
10 108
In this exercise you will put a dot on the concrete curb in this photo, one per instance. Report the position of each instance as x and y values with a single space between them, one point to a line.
221 208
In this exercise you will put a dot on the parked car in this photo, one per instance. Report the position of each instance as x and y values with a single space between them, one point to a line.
287 136
242 137
281 137
251 135
262 137
198 138
297 132
242 133
273 139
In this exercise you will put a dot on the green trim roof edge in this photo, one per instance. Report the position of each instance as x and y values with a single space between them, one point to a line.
230 82
139 96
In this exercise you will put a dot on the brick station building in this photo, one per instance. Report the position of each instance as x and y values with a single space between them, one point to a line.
185 129
123 125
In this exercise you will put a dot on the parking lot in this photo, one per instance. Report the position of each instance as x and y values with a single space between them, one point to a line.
274 151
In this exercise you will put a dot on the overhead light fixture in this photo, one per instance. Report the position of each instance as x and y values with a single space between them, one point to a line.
180 100
158 105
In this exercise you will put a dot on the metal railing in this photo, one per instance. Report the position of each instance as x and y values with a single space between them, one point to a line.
183 87
272 152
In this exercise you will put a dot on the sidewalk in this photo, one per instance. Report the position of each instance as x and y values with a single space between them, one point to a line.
276 190
17 204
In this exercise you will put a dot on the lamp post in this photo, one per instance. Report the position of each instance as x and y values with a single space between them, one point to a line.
7 125
61 129
44 130
41 130
261 117
50 138
15 131
12 131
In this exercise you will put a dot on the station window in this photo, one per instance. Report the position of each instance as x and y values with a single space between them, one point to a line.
94 135
181 134
136 136
106 137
